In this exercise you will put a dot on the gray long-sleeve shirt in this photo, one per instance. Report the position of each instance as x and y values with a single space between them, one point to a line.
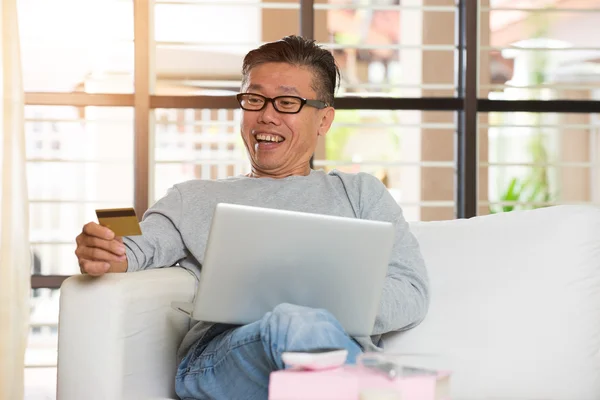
175 231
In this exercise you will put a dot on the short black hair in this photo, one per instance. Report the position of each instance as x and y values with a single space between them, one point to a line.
301 52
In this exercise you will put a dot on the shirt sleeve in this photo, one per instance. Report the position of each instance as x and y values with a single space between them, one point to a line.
405 297
160 244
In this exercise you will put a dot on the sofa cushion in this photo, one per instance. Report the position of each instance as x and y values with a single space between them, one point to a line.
515 307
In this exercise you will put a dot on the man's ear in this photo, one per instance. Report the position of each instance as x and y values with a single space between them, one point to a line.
326 121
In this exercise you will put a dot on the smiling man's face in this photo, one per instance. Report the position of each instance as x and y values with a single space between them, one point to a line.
280 144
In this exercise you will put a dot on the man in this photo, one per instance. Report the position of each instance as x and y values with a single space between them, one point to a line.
286 97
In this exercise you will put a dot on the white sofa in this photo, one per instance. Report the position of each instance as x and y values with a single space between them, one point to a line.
515 313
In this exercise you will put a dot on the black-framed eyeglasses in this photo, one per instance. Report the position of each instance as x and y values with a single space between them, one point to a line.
283 104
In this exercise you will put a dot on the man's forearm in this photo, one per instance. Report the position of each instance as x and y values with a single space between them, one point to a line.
404 304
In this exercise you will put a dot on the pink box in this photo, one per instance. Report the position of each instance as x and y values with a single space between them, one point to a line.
353 383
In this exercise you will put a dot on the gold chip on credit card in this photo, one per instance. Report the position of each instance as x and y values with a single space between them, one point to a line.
122 221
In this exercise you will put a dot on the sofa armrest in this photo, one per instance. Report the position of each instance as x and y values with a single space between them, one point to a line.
118 335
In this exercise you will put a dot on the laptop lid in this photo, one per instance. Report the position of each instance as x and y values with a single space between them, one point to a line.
257 258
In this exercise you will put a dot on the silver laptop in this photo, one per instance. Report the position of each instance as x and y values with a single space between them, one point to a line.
257 258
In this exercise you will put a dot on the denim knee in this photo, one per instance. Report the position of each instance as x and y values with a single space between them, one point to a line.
298 326
295 328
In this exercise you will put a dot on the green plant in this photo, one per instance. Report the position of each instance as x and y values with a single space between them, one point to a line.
535 188
523 194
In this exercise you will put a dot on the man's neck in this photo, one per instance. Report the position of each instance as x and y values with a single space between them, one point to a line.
256 173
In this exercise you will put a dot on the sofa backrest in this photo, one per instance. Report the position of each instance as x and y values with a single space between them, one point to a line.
515 307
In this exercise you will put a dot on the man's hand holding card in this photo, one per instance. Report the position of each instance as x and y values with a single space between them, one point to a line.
100 246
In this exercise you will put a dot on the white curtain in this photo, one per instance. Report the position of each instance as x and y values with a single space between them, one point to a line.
15 258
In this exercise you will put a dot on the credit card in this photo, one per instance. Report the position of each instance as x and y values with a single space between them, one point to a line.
122 221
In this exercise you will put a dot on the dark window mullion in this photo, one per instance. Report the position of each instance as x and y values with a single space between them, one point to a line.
539 106
341 103
466 157
143 11
307 30
307 19
47 281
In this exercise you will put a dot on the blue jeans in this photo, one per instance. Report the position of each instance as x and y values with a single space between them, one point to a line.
236 363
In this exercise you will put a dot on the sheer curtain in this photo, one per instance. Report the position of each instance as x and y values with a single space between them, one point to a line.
15 258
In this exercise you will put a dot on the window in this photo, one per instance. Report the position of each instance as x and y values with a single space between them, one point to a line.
412 152
534 54
388 49
196 144
75 46
78 160
539 160
197 54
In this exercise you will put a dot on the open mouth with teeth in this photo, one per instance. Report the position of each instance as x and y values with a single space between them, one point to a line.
269 138
268 142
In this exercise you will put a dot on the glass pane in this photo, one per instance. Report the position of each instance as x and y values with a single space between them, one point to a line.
196 53
54 257
40 383
386 49
78 160
196 144
43 332
535 160
543 52
73 45
412 152
42 345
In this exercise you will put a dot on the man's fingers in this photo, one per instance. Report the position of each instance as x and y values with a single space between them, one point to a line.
97 248
98 254
94 268
95 230
112 246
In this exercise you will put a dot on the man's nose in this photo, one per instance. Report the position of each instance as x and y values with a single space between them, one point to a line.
269 114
